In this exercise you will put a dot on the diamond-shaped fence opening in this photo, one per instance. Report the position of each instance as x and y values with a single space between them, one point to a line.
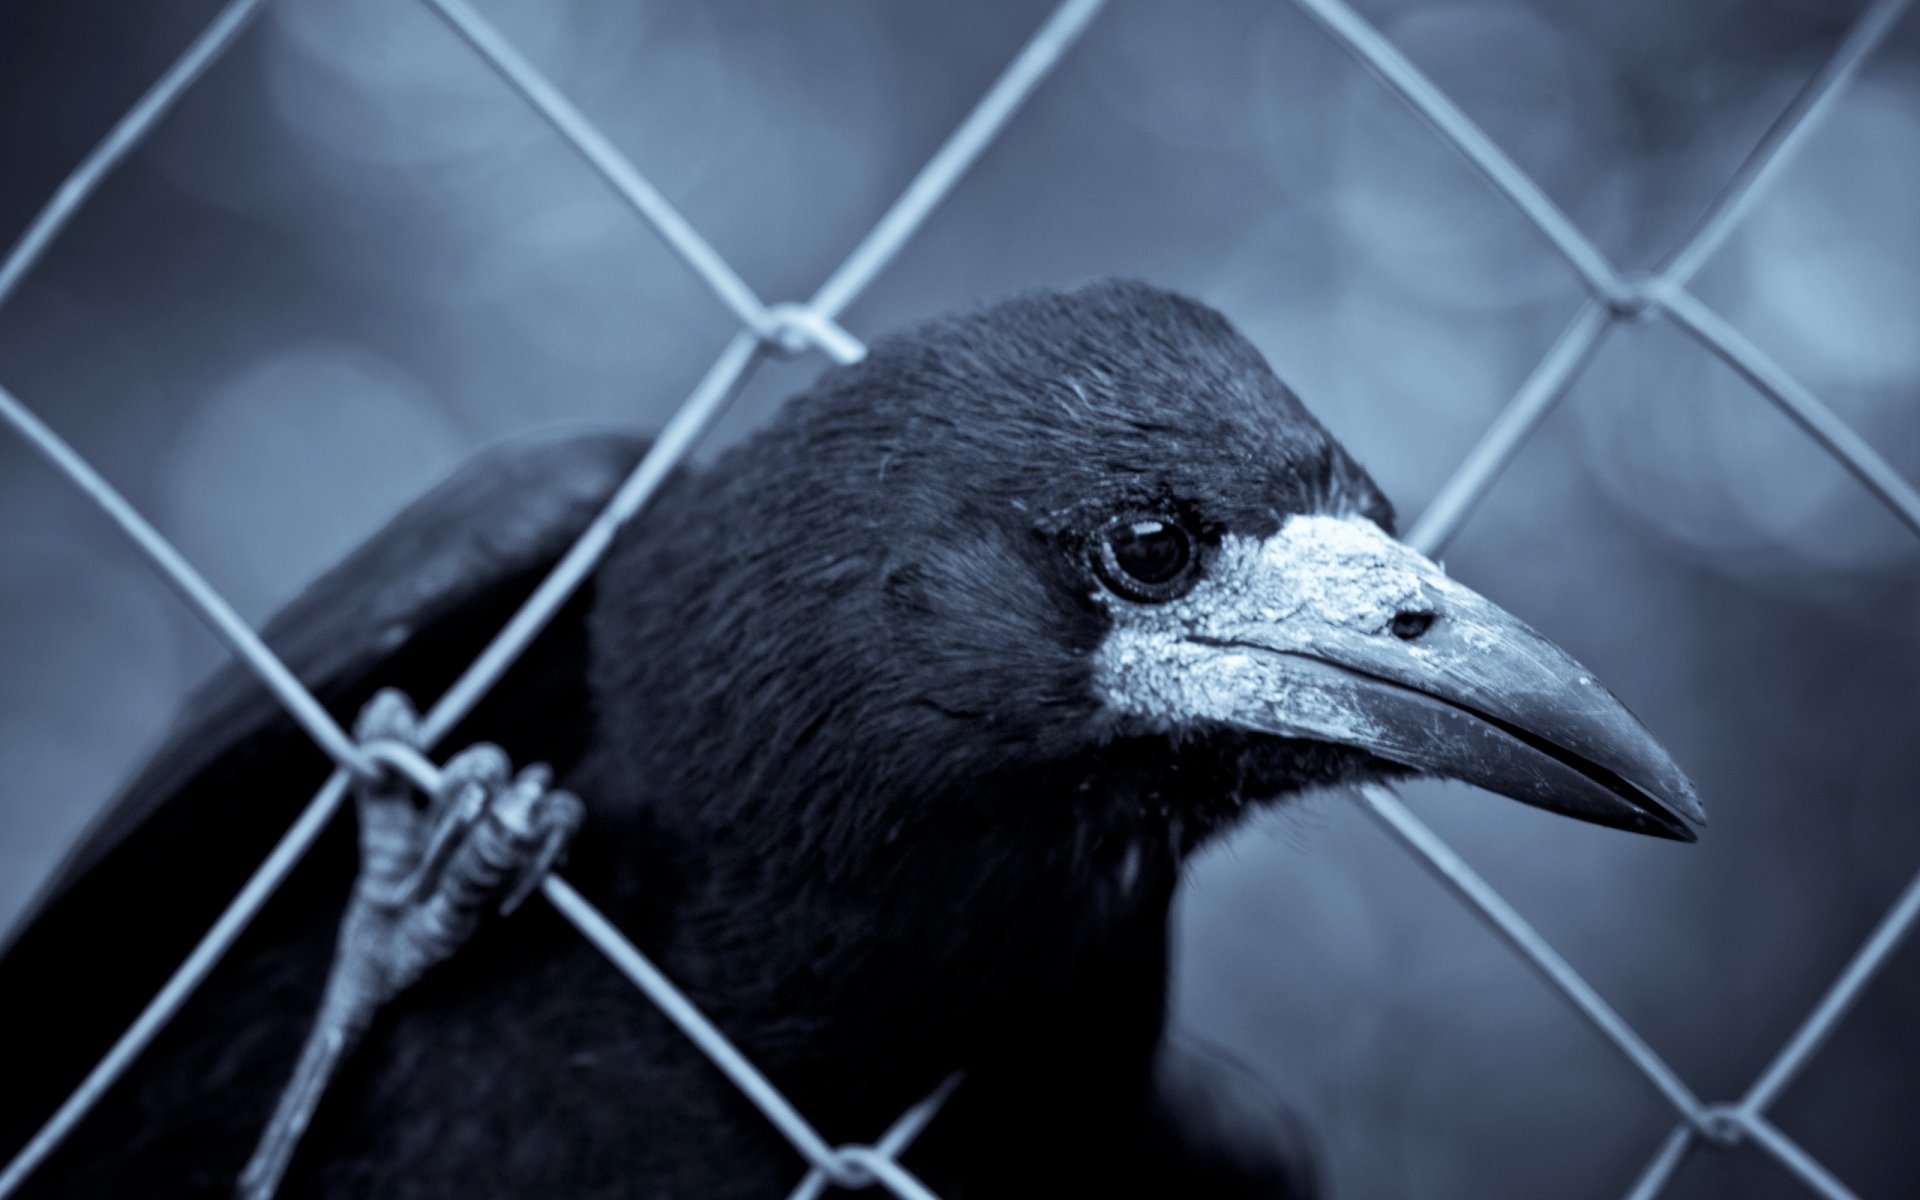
812 327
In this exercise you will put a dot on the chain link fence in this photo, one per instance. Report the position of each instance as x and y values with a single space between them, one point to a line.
812 327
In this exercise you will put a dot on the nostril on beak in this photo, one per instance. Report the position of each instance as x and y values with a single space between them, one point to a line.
1408 626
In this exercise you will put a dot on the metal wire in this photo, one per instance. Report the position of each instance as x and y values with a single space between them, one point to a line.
1665 293
1797 402
129 131
1520 416
1666 1163
1804 1166
892 1144
792 328
1434 106
1479 894
841 1167
957 154
1865 963
709 399
1782 139
209 605
199 963
586 138
1616 299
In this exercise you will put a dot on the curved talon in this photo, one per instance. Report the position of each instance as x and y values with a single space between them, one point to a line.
556 818
429 873
453 809
389 716
384 803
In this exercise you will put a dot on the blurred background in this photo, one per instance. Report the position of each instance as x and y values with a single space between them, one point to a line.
352 257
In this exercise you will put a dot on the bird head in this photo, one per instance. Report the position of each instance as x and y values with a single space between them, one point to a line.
1059 584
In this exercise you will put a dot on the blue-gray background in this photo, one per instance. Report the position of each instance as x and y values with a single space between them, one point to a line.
351 257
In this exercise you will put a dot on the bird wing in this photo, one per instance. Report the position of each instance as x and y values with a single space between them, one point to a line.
408 609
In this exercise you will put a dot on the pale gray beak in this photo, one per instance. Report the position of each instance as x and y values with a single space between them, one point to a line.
1331 630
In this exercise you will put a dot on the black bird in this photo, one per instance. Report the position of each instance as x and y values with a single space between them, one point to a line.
894 727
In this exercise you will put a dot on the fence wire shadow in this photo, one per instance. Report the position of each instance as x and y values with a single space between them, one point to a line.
812 326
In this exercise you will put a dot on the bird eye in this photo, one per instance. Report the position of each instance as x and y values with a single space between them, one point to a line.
1145 558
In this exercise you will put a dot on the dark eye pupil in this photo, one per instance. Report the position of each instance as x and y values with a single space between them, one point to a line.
1150 551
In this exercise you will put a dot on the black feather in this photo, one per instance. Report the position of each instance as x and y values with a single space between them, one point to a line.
829 705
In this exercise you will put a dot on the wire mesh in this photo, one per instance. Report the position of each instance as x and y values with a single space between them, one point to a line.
1615 297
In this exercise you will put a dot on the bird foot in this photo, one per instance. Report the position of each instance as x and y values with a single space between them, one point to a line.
483 840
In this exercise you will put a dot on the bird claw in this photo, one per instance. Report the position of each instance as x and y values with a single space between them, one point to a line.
484 838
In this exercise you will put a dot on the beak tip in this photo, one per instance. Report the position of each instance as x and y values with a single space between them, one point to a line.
1677 815
1649 820
1684 799
1676 832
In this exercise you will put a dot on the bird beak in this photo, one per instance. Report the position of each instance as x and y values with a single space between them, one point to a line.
1332 631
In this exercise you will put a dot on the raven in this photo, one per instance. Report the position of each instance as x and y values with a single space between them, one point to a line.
894 726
